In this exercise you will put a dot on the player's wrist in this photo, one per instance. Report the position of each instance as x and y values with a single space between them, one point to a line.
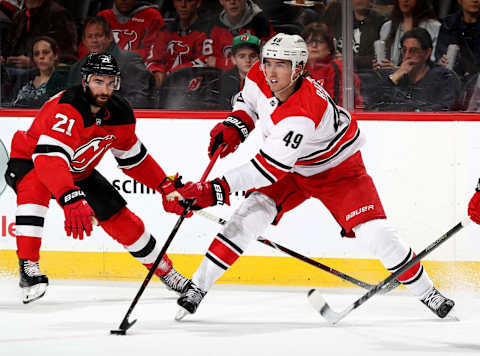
71 196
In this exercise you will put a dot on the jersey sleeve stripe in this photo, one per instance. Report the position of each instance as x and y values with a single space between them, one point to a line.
53 151
133 151
262 171
45 140
131 161
274 171
275 162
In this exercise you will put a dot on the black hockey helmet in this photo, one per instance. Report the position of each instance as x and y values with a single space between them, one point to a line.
101 64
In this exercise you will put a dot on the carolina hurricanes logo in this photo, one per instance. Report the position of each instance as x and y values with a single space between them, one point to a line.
125 38
194 84
89 152
177 49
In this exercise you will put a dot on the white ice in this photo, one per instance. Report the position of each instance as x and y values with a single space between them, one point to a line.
74 318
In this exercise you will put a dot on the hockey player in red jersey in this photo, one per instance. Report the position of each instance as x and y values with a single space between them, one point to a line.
474 205
311 148
237 17
57 156
135 26
183 42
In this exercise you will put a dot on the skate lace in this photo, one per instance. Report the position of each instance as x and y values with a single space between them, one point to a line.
195 295
175 279
434 299
31 269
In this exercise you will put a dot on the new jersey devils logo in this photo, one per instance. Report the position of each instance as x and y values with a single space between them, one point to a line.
194 84
125 38
177 49
89 152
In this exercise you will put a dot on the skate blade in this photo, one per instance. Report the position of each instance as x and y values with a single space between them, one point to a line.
31 294
181 313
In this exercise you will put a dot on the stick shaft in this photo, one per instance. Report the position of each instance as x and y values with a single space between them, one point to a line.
125 323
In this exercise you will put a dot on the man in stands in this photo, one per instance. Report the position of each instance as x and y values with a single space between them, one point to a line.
311 148
237 17
183 42
58 155
137 80
135 26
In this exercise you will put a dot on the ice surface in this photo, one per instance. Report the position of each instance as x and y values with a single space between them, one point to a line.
75 317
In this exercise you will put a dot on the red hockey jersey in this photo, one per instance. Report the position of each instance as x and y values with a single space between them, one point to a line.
176 49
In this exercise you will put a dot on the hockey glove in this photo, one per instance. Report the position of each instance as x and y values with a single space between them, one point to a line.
474 206
171 197
207 194
231 132
77 213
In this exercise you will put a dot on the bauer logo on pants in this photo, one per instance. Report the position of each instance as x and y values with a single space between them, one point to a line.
359 211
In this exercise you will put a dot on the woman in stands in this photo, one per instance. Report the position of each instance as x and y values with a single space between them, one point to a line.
47 80
322 66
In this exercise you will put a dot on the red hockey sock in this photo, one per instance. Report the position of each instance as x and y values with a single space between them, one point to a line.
28 248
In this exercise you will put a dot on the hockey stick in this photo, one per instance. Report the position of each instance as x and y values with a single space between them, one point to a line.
320 304
125 324
305 259
3 166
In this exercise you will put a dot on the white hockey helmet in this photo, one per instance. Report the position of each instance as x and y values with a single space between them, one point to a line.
289 47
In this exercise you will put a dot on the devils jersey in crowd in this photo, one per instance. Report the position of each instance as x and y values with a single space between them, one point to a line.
137 31
307 134
177 49
66 128
222 33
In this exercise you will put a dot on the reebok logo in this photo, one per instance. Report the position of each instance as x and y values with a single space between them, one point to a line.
359 211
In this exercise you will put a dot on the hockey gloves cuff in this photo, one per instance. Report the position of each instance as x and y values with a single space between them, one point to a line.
171 198
78 214
231 132
474 206
207 194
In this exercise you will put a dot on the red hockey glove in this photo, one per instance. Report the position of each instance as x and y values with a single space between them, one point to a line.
207 194
171 197
474 206
231 132
77 213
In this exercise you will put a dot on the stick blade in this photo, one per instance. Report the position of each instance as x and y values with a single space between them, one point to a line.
318 302
122 330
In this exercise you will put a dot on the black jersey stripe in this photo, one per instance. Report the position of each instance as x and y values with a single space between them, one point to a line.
134 160
144 252
45 149
262 171
405 260
230 244
29 220
340 150
274 162
214 260
326 149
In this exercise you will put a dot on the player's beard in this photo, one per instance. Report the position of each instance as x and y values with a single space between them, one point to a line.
93 99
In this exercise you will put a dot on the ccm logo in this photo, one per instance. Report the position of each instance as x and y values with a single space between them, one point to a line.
359 211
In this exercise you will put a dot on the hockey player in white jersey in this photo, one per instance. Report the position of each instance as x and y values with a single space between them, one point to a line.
311 148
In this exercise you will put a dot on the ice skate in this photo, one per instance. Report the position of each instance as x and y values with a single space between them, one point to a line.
32 281
189 301
175 281
437 303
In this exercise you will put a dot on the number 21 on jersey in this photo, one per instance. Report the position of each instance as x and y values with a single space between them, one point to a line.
64 125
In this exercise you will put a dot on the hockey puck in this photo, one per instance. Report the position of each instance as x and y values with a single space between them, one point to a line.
118 332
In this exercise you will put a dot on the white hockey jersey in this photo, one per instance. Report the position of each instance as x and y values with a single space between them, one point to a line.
307 134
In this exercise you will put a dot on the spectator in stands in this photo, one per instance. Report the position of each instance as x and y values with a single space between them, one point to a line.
406 15
47 81
182 42
136 81
237 17
366 30
245 52
321 64
417 85
135 25
463 29
40 18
